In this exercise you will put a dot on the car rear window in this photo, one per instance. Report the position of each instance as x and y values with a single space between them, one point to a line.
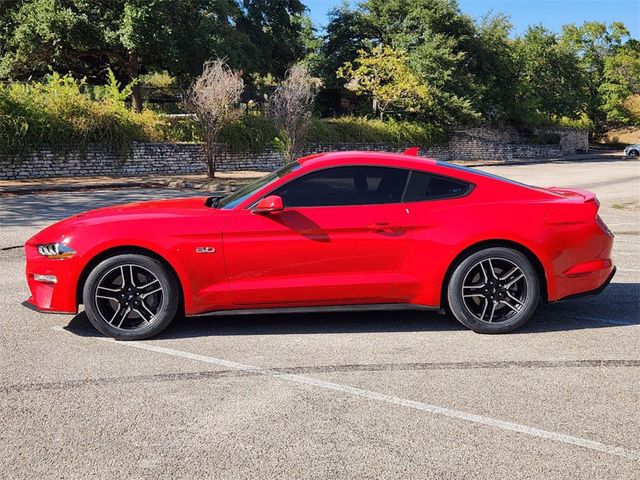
426 186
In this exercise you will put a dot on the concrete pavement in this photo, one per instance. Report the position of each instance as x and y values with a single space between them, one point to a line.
370 395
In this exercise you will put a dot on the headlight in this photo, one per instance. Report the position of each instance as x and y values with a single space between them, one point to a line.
56 250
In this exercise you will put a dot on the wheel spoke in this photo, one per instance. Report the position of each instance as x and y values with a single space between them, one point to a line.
145 295
484 272
493 271
518 302
509 305
513 270
474 287
147 309
108 293
142 287
124 315
484 309
508 285
470 295
493 311
133 281
115 315
141 315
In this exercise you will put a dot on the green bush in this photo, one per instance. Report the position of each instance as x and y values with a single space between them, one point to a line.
254 132
57 114
365 130
62 113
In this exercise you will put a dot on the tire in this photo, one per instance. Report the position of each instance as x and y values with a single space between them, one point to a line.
147 300
633 153
483 297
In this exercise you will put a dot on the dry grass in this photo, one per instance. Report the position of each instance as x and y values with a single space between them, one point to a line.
623 135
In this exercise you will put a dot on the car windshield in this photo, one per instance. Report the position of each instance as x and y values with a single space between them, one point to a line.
245 192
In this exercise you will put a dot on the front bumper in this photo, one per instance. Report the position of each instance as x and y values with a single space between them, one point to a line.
58 297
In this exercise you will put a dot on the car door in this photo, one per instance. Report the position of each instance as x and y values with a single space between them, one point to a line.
340 239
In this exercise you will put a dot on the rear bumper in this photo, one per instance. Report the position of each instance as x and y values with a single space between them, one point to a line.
595 291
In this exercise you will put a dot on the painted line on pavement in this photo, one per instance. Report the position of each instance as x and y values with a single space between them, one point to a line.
381 397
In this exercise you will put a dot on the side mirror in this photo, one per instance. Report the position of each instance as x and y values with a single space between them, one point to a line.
272 203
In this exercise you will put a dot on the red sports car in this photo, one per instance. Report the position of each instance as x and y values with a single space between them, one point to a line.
334 231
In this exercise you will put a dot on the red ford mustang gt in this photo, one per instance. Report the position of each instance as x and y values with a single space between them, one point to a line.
334 231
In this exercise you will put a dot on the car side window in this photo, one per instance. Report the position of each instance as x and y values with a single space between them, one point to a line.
356 185
424 186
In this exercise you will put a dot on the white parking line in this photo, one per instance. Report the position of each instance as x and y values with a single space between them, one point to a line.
381 397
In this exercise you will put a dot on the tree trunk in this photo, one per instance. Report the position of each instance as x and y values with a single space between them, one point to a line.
133 68
136 98
210 156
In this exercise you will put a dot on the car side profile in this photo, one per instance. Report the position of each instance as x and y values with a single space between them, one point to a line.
333 231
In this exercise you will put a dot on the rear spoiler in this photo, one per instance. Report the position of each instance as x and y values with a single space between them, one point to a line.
577 206
585 195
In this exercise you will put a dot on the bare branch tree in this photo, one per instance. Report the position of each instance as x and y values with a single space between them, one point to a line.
291 106
214 97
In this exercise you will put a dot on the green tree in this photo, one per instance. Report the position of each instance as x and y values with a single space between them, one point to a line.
550 81
384 75
438 40
592 43
130 36
348 32
134 37
494 65
273 32
621 82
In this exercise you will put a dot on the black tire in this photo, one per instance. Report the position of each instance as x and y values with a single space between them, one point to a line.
141 288
484 308
633 153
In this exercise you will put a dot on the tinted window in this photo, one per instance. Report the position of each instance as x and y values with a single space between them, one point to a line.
423 186
345 186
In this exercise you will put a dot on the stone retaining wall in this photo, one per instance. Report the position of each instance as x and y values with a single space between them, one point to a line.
502 145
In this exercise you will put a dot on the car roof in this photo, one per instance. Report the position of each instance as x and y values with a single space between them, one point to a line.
409 160
329 159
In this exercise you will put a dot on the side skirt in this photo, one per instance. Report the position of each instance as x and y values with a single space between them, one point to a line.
377 307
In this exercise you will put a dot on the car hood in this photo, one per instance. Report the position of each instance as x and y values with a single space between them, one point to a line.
129 212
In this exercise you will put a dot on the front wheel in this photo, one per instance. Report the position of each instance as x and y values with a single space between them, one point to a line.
131 297
494 290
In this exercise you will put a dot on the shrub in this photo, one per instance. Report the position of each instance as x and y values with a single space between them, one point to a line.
365 130
254 132
58 115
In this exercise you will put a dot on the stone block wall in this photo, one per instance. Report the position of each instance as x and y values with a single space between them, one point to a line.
479 144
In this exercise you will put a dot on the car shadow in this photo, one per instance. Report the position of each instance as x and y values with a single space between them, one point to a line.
618 304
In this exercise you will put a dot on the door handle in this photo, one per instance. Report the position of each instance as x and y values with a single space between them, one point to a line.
385 227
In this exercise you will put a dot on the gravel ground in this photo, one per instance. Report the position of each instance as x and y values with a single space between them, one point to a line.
369 395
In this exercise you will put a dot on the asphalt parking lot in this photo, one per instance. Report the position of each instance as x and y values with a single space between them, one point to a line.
375 395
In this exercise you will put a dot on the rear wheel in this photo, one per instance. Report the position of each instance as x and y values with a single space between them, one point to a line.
494 290
633 153
131 297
